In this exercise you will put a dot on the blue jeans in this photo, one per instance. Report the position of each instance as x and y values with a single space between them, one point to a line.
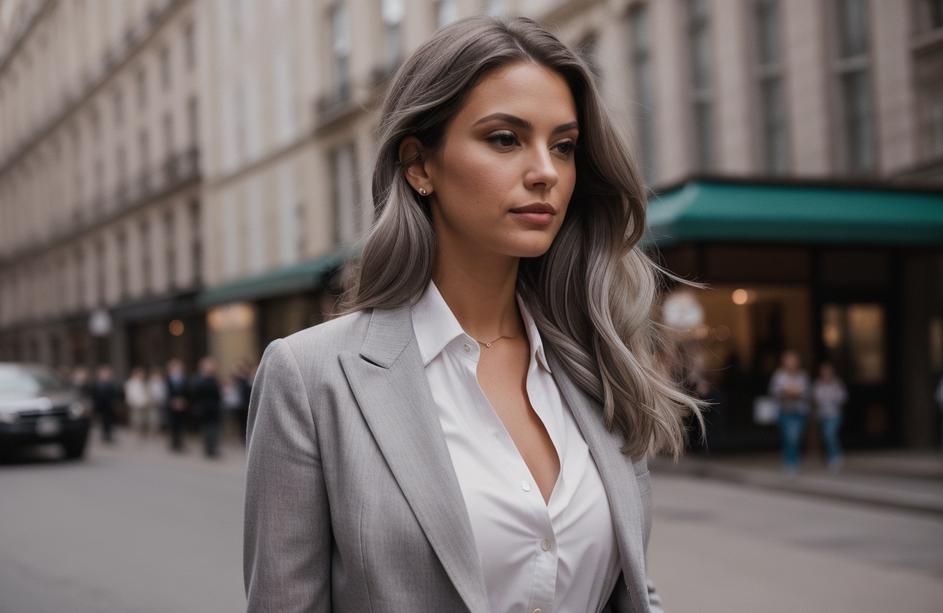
830 426
791 426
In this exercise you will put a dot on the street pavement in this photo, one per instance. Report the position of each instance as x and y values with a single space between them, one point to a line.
136 529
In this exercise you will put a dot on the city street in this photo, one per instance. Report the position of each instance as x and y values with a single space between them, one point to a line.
134 529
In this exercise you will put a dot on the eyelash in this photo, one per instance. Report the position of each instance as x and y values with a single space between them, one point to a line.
503 135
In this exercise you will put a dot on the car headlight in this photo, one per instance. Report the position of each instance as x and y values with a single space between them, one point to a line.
78 409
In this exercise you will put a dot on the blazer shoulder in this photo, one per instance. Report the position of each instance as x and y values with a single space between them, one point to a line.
327 339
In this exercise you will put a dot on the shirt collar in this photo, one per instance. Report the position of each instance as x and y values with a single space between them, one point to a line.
436 326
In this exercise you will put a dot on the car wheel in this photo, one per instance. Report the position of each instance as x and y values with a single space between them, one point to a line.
75 448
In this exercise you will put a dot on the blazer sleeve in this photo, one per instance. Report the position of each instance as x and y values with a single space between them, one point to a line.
287 533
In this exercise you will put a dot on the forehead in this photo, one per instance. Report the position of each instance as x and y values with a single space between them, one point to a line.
525 89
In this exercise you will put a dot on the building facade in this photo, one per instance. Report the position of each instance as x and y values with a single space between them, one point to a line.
99 182
257 121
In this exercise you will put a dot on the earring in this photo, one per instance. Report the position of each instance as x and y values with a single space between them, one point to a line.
422 190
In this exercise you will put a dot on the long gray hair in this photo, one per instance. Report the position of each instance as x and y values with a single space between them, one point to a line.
592 293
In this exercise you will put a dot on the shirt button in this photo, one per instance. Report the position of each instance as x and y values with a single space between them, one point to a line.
545 544
467 347
525 486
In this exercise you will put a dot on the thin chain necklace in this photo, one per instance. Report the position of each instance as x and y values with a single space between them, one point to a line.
488 345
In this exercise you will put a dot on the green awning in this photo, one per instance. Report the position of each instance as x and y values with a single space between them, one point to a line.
707 210
304 276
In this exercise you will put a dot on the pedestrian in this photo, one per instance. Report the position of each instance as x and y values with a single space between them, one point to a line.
830 394
789 386
156 399
178 403
232 404
243 379
105 396
135 396
207 405
471 432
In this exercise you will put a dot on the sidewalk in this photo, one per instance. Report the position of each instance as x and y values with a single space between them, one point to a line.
903 480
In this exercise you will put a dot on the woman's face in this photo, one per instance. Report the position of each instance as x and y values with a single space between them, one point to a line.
509 146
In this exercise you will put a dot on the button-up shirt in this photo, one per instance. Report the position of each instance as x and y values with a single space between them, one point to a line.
555 556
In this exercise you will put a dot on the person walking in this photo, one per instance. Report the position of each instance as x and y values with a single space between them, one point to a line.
178 403
790 387
137 400
471 432
206 400
156 399
105 396
830 394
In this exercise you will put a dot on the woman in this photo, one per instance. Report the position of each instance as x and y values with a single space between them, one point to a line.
790 387
471 433
135 396
830 394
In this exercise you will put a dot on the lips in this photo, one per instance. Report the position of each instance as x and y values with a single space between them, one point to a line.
536 207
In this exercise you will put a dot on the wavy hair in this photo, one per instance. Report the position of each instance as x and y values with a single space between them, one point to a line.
593 292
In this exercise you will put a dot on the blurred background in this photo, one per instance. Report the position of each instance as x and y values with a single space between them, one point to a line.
183 181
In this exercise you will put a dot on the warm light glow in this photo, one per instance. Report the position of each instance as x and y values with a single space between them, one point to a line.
176 327
740 296
239 316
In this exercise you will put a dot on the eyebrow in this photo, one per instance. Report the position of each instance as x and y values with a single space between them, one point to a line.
523 123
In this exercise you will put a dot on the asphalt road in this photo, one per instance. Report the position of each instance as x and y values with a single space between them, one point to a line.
135 529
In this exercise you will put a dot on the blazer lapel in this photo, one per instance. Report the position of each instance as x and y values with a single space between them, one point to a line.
618 479
388 381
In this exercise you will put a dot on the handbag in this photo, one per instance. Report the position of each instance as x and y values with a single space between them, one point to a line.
765 410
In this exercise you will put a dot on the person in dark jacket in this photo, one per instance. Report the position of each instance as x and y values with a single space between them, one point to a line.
105 394
206 399
178 403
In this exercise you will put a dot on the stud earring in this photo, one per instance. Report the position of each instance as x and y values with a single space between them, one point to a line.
422 190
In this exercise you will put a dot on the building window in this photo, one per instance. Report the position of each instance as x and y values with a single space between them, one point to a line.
300 221
193 126
853 84
122 244
144 229
142 87
446 11
340 48
928 66
189 46
165 67
119 107
101 265
699 61
769 69
641 61
196 244
392 12
144 147
168 122
170 250
347 206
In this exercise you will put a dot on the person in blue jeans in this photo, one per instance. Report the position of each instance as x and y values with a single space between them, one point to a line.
790 387
830 394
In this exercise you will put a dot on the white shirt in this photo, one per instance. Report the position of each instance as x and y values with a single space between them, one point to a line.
540 557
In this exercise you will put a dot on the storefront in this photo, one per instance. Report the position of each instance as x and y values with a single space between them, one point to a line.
244 316
851 275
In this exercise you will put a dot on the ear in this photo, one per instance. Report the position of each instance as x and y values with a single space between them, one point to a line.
413 157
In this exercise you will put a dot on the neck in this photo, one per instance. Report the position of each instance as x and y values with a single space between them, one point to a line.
480 291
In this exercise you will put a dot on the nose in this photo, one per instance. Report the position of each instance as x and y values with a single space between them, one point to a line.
542 172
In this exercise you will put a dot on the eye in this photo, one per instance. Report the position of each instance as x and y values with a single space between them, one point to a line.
504 139
567 147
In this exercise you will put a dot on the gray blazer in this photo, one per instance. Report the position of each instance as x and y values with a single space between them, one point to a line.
352 503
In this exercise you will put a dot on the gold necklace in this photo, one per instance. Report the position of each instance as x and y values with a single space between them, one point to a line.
488 345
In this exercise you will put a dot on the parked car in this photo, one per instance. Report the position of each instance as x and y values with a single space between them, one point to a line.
37 407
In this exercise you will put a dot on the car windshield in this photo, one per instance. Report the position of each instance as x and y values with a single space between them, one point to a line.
29 381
